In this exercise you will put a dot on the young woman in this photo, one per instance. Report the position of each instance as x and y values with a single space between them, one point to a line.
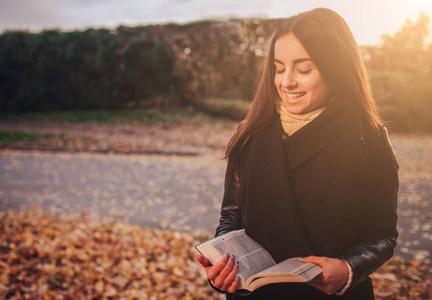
311 171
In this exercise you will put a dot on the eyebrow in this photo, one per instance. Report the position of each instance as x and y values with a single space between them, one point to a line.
297 61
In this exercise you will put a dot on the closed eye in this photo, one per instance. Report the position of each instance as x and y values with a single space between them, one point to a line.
305 72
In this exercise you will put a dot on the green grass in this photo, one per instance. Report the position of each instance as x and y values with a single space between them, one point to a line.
234 109
138 116
7 137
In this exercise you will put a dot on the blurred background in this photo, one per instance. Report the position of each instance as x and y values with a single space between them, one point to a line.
79 55
114 117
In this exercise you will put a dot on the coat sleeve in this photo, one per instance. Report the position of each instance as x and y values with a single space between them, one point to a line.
230 218
379 210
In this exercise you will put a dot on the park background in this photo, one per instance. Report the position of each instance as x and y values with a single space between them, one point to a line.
111 140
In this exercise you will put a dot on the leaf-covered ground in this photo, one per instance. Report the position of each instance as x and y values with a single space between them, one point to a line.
403 280
49 257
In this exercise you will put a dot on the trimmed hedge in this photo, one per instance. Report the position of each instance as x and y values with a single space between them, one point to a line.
152 66
191 65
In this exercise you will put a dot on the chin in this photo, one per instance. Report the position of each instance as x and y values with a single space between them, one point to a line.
298 110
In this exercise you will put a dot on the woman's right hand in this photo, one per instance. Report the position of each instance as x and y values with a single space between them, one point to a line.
223 273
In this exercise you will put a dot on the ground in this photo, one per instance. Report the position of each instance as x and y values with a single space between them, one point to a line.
169 177
181 186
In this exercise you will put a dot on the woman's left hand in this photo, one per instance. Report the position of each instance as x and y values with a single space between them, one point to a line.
334 276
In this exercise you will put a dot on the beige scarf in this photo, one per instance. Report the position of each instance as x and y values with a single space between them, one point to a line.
293 122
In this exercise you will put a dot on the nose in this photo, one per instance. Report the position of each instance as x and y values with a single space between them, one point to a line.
289 80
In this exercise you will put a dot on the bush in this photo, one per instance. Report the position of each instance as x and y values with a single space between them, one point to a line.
94 69
152 66
405 101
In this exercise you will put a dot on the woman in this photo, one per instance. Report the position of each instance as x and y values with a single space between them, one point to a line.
311 172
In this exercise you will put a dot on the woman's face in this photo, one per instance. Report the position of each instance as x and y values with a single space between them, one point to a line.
297 79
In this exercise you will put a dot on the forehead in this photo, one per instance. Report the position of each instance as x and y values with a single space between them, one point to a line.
289 48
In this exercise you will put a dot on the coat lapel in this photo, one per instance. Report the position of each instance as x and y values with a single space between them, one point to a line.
312 138
273 218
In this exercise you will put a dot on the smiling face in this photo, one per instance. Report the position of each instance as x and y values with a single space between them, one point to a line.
297 79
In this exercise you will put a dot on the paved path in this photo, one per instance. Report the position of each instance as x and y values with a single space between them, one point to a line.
158 191
181 193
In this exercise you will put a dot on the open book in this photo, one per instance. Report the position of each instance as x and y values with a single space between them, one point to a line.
256 266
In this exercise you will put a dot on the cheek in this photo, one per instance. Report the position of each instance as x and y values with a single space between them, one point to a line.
277 82
318 87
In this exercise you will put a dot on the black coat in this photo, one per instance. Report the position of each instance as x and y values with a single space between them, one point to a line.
330 189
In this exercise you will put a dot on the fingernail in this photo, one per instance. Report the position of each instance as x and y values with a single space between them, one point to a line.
237 277
302 258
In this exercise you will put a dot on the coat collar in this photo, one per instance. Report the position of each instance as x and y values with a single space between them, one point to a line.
313 137
309 140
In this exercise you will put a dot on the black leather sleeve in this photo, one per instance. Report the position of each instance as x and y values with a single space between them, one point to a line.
380 211
230 212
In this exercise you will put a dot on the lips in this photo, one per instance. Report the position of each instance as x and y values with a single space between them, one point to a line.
295 95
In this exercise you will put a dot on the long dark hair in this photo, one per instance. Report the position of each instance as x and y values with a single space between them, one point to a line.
333 49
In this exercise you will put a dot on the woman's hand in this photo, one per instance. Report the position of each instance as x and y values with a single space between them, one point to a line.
223 273
334 276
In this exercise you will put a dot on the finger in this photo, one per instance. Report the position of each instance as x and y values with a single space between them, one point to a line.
334 276
219 281
233 288
229 280
318 260
213 272
203 261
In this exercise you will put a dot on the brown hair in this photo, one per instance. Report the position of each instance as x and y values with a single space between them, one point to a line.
333 49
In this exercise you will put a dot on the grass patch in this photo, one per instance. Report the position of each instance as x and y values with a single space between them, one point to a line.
124 117
7 137
234 109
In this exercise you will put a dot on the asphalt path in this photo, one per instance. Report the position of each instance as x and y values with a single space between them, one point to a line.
180 193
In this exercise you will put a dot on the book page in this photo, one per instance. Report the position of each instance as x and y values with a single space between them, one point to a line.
295 267
254 262
252 258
